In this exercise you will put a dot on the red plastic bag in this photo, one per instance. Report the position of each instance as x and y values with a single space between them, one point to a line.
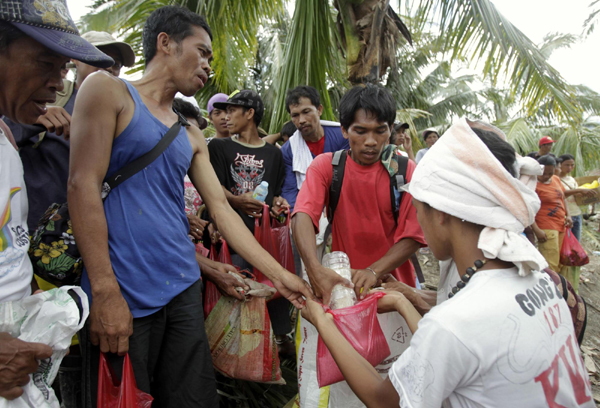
282 243
212 294
111 394
571 252
360 327
276 240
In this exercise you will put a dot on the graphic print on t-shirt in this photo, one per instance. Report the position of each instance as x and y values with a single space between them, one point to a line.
247 173
543 299
12 240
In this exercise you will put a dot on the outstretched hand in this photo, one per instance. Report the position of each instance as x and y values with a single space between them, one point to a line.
323 280
293 289
313 311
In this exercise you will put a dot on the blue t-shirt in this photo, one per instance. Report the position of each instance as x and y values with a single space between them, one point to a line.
150 252
334 141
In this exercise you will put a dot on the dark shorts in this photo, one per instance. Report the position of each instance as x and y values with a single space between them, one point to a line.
169 353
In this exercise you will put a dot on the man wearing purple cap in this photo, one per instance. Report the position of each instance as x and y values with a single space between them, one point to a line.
37 38
218 116
140 269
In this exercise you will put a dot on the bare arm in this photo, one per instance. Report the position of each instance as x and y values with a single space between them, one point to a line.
234 230
422 300
93 130
394 257
539 233
272 139
218 273
580 191
322 279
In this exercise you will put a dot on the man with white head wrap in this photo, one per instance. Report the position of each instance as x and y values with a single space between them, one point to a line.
505 338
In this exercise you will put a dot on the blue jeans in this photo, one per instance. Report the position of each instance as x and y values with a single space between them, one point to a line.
576 230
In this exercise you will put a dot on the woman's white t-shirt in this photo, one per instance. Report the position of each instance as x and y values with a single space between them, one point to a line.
503 341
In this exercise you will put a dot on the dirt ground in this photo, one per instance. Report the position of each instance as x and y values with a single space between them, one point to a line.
589 289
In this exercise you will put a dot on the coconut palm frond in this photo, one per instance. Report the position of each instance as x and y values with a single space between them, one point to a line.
590 22
311 57
475 30
583 143
555 41
520 135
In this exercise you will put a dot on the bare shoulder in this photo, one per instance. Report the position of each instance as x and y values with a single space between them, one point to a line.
197 139
104 86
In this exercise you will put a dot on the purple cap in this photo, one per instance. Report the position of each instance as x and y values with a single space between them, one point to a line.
49 23
216 98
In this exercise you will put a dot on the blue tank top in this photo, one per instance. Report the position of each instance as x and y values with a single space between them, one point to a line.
151 254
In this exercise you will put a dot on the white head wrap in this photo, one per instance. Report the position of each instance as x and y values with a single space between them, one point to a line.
461 177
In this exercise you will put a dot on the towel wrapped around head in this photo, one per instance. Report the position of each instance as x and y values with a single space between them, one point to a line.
461 177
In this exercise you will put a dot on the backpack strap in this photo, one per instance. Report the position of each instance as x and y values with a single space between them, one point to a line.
338 162
145 160
397 181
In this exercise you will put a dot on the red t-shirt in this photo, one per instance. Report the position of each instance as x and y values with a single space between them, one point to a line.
551 215
316 148
363 226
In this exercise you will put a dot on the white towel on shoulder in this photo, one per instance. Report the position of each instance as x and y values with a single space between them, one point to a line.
301 155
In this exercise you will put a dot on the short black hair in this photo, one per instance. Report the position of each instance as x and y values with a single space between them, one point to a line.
288 129
566 156
501 149
8 34
176 21
256 118
430 132
374 99
302 91
187 109
547 160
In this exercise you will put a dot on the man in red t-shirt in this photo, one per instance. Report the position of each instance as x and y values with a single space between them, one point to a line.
364 226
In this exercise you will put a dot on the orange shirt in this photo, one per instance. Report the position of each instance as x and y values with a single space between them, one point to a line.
552 213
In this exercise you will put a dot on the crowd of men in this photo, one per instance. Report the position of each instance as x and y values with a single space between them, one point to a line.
60 140
141 274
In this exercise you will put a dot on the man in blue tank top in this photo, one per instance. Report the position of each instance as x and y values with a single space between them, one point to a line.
141 274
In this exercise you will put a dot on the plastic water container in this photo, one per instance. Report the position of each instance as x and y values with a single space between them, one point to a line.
341 296
261 191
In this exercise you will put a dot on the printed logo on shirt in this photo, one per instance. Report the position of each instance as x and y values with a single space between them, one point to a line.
6 238
248 160
247 173
11 239
536 297
417 376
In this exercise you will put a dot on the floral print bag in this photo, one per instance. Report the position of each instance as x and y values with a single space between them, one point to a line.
53 253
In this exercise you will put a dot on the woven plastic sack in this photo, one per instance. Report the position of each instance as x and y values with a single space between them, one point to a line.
360 327
571 252
212 294
241 339
52 317
111 394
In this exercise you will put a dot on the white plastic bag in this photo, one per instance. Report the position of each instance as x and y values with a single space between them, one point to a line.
50 318
398 337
